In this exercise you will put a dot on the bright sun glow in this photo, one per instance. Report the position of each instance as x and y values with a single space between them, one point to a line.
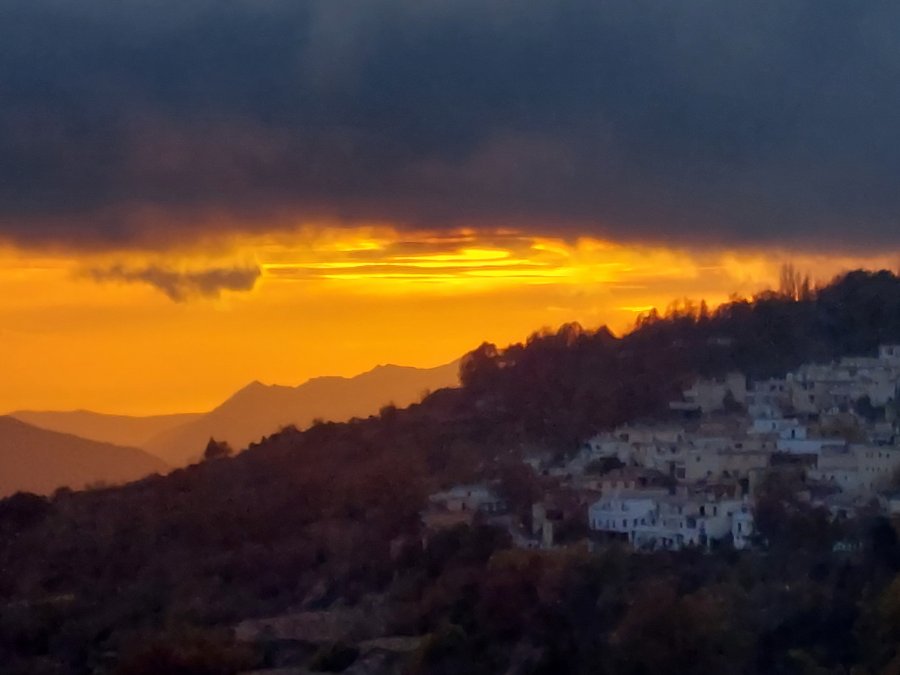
102 330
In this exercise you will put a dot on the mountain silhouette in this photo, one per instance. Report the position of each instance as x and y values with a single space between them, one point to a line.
259 409
38 460
117 429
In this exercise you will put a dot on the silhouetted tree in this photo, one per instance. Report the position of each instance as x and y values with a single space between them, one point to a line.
216 450
23 510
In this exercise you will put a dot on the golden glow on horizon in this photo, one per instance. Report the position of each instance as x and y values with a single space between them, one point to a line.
330 301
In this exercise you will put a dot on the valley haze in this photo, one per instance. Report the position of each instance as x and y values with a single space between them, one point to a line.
253 412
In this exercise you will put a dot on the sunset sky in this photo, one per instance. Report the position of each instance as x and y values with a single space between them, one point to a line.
195 194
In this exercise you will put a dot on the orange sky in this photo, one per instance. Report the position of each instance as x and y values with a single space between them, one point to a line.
328 301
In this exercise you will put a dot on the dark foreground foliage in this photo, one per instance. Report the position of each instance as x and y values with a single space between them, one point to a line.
150 577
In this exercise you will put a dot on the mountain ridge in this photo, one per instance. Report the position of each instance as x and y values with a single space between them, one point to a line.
179 438
127 430
259 409
39 460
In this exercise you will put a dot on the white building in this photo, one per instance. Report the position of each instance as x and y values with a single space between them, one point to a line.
890 355
632 478
890 502
823 387
770 395
783 428
877 466
858 469
742 527
662 521
602 446
839 466
808 446
708 396
477 498
650 434
624 511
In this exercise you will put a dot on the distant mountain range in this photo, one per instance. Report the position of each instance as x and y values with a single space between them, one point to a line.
258 409
118 429
38 460
255 411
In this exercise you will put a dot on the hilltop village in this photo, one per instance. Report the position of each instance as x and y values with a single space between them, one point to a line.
581 503
825 434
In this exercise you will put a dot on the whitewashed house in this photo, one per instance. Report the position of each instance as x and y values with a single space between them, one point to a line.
663 521
808 446
889 355
607 445
650 433
768 398
706 396
783 428
622 512
837 386
473 498
858 469
742 527
877 466
839 466
890 503
632 478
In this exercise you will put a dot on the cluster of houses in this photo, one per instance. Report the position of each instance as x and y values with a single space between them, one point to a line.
837 422
693 479
461 505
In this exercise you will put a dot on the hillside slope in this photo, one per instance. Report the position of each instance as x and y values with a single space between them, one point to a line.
309 518
38 460
117 429
259 409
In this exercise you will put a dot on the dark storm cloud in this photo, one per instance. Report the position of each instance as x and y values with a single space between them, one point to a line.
698 120
180 286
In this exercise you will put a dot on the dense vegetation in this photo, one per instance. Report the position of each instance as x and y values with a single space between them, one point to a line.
149 577
563 386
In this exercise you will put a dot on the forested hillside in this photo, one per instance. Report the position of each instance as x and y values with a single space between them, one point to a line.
151 577
564 385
